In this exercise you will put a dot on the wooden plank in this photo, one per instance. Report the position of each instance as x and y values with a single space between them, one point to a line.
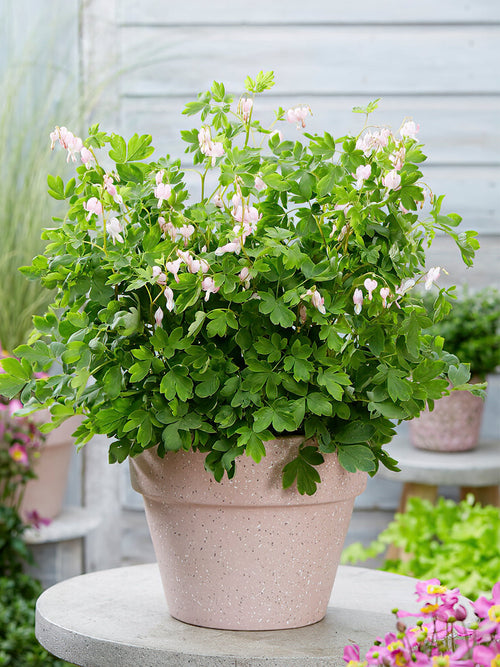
455 130
313 60
314 11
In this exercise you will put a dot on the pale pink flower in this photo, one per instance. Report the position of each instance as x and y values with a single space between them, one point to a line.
93 206
67 140
160 277
398 158
406 285
213 149
233 246
168 228
86 156
409 129
204 265
259 183
114 228
243 275
158 316
245 107
173 268
159 176
431 276
342 207
392 180
370 285
109 185
236 202
14 405
186 231
357 298
37 521
317 300
362 173
194 265
208 286
169 297
218 201
162 192
384 294
373 141
248 216
298 115
19 454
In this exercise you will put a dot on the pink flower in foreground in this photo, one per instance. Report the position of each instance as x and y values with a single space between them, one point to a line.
158 316
36 520
384 294
233 246
86 156
431 276
373 141
173 268
169 297
317 300
168 228
259 183
186 231
245 108
357 297
93 206
208 286
405 285
162 192
370 285
67 140
398 158
109 185
392 180
19 454
159 176
114 228
409 129
362 173
213 149
298 115
160 277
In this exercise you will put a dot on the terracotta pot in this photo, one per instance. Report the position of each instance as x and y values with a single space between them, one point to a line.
46 493
245 554
453 426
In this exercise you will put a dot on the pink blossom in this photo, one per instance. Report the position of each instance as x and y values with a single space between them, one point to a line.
14 405
86 156
405 285
370 285
245 108
431 276
208 286
160 277
384 294
218 201
259 183
362 173
398 158
186 231
233 246
243 275
317 300
392 180
168 228
298 115
109 185
67 140
373 141
19 454
213 149
36 520
93 206
357 298
169 296
114 228
162 192
248 216
236 202
158 316
204 265
409 129
159 176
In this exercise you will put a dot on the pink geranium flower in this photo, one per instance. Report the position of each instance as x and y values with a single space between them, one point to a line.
19 454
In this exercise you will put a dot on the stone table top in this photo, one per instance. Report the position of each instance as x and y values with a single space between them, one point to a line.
477 467
72 523
120 617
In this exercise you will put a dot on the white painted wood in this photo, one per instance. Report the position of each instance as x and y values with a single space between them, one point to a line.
455 130
369 60
220 12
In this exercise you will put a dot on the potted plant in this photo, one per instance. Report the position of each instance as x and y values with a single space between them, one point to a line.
272 318
471 332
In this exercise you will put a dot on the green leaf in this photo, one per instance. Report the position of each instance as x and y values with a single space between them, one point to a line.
15 368
208 387
10 386
171 438
319 404
388 409
301 471
459 375
356 457
276 182
197 323
354 432
262 418
399 389
177 382
119 149
139 148
332 381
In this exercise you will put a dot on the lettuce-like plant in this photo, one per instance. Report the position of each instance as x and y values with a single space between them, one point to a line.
280 301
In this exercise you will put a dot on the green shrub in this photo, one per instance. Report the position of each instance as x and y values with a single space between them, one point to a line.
458 543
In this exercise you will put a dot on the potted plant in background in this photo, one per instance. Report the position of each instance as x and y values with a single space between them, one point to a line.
244 346
471 331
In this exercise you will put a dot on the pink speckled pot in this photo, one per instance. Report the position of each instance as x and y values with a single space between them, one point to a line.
245 554
46 493
453 425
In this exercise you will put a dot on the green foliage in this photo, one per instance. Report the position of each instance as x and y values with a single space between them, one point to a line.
18 644
217 323
458 543
471 329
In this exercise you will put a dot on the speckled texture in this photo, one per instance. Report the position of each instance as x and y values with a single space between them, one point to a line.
245 554
453 425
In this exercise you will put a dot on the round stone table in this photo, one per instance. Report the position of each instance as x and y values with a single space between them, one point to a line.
119 618
476 471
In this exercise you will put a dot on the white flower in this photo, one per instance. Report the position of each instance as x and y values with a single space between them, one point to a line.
357 297
431 276
114 228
